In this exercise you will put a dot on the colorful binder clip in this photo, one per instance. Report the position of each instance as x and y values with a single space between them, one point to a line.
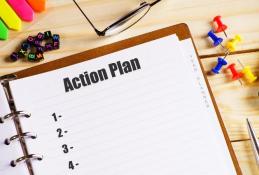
220 26
232 44
221 62
216 40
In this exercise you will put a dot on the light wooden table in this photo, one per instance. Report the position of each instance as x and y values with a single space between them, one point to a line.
235 102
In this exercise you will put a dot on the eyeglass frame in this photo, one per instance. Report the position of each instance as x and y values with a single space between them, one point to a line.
125 17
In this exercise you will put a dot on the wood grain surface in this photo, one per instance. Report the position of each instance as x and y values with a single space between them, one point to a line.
236 102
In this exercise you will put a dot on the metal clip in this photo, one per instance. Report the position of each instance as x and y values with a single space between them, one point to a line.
23 135
14 114
25 158
7 78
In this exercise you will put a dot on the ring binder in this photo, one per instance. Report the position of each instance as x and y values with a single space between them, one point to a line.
23 135
25 158
4 81
14 114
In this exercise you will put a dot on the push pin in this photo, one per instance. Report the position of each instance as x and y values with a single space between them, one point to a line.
220 26
249 76
232 44
216 40
221 62
235 75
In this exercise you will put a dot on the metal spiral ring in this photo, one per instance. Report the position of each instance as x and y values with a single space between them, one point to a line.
23 135
25 158
13 114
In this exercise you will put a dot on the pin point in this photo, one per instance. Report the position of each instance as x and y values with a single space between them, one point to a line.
249 76
232 44
221 27
216 40
22 9
221 62
9 17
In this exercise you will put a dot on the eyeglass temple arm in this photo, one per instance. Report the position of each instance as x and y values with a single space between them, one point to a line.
155 2
96 30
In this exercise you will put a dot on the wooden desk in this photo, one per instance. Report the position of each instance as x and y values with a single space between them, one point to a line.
235 102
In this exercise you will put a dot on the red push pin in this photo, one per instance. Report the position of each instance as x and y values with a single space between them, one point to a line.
221 27
235 75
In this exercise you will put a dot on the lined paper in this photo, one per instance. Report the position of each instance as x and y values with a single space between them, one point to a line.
151 121
211 121
12 151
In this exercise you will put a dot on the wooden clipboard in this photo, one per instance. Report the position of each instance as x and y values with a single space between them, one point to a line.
181 30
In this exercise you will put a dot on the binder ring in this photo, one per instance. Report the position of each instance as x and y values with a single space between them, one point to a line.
25 158
23 135
13 114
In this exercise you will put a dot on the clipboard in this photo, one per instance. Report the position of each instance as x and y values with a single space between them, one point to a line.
181 30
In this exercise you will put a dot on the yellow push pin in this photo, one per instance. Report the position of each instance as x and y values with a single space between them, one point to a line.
250 77
247 73
9 16
232 44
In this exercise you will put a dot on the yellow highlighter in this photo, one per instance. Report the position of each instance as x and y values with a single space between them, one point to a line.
9 16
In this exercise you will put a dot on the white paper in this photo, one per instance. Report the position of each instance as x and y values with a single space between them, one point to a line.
223 158
151 121
12 151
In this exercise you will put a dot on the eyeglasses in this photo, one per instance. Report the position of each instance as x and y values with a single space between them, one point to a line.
125 21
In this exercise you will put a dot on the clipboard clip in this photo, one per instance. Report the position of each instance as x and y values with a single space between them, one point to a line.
7 78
